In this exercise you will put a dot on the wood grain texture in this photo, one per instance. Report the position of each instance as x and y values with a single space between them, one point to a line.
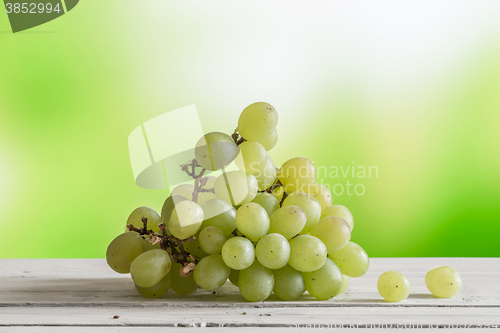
85 294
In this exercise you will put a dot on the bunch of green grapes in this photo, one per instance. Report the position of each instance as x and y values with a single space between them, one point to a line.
266 228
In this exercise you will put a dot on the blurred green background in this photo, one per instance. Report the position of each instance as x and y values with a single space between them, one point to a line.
410 87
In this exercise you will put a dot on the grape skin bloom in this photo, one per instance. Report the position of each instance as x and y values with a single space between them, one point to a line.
393 286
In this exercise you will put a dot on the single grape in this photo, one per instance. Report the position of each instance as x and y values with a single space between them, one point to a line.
206 196
252 220
351 259
186 219
309 205
333 231
287 221
324 283
215 150
443 281
136 216
219 213
345 284
320 192
212 239
186 190
168 208
251 158
156 291
150 267
256 282
146 245
194 247
238 253
273 251
183 285
307 253
297 172
393 286
211 272
123 250
233 276
339 211
267 201
257 121
270 141
288 283
266 175
236 187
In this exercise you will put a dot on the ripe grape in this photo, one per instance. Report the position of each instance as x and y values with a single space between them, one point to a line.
287 221
212 239
393 286
307 253
297 172
219 213
320 192
186 219
205 196
156 291
183 285
194 247
252 221
186 190
233 276
325 282
288 283
351 259
251 158
211 272
270 141
215 150
257 121
333 231
168 208
150 267
309 205
147 246
238 253
266 175
123 250
345 284
256 282
273 251
267 201
339 211
443 281
236 187
136 216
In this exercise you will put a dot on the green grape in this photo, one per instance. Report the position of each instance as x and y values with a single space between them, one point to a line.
168 208
147 246
185 190
288 283
123 250
186 219
194 247
333 231
215 150
251 158
212 239
267 201
443 281
325 282
252 220
297 172
393 286
266 175
307 253
183 285
238 253
233 276
339 211
345 284
278 193
256 282
236 187
309 205
273 251
211 272
156 291
270 141
136 216
351 259
257 121
219 213
320 192
206 196
150 267
287 221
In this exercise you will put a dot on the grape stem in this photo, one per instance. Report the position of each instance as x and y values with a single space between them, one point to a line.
238 139
199 181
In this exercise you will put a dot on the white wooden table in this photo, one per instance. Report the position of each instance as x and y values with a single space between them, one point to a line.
84 295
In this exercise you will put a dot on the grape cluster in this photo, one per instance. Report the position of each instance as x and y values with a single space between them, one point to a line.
264 228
